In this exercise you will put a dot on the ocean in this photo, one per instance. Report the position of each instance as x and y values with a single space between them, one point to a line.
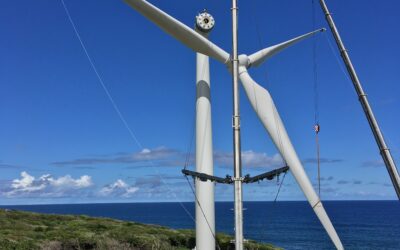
287 224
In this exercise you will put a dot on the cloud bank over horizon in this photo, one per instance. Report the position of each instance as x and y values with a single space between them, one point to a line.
150 175
168 157
46 186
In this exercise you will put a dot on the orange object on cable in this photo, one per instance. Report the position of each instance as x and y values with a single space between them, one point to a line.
317 128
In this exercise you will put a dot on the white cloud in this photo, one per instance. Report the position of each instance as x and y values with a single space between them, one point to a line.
26 184
46 185
250 159
145 151
118 188
255 159
67 181
156 154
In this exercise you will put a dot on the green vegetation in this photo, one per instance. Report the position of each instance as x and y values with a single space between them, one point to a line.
25 230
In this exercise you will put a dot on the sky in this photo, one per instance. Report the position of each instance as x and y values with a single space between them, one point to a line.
62 140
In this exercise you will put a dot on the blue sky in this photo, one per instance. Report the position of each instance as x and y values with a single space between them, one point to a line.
62 141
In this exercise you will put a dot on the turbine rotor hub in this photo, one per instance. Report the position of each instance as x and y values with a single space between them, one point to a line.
205 22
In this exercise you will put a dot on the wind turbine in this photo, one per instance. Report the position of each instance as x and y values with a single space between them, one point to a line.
259 97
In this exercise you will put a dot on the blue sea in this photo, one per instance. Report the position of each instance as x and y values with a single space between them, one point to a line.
287 224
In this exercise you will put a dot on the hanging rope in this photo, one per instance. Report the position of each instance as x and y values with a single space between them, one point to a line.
202 211
280 186
317 127
315 71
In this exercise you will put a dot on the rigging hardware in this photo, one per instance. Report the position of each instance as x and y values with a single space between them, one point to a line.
270 175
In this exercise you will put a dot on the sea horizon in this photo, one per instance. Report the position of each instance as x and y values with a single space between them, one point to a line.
155 202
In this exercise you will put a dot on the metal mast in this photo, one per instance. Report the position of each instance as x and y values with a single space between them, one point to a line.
237 161
384 150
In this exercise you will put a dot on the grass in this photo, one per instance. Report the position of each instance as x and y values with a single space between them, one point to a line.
26 230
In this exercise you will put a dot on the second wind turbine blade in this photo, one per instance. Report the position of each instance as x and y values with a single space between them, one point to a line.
179 31
265 108
259 57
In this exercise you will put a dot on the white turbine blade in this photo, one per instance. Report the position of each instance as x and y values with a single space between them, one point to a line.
179 31
265 108
259 57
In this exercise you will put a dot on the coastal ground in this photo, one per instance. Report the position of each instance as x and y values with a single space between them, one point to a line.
27 230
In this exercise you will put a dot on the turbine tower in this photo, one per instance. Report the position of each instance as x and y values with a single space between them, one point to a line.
205 211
